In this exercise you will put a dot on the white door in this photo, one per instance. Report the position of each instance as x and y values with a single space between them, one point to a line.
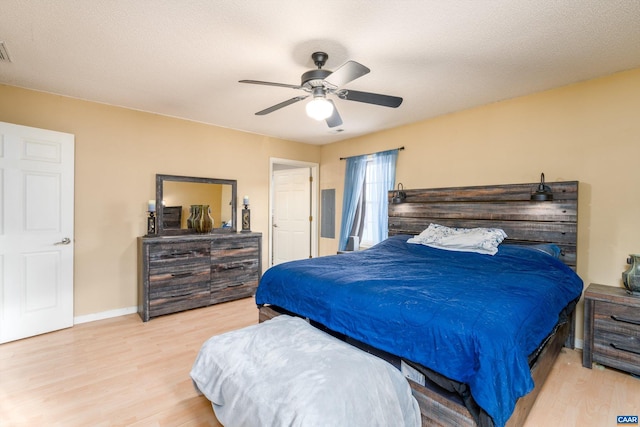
36 231
291 215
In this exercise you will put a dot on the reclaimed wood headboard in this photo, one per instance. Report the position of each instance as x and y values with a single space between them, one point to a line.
501 206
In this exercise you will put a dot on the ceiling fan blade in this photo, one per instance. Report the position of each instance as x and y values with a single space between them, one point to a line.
258 82
334 119
280 105
372 98
347 72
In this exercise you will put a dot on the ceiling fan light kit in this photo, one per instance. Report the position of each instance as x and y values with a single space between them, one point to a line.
319 83
319 109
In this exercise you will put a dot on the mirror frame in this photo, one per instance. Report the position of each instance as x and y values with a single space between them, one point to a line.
160 179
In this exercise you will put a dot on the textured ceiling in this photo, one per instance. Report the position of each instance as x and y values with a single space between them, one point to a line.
184 58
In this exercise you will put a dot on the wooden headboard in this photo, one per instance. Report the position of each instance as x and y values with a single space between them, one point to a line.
501 206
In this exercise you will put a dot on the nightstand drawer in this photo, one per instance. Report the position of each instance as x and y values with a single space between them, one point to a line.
609 315
611 342
618 351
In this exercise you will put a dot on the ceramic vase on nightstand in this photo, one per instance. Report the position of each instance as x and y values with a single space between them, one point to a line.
631 277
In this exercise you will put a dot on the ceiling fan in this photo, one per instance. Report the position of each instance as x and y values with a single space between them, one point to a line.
320 83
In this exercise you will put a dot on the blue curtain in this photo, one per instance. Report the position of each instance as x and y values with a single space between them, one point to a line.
353 179
383 179
383 176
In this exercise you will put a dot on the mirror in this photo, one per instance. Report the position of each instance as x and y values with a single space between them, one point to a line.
176 194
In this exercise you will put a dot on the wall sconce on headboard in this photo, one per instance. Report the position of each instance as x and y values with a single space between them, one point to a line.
543 193
399 195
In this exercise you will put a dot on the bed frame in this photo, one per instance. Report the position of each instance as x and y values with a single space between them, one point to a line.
503 206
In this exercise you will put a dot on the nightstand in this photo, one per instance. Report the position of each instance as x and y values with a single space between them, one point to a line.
611 328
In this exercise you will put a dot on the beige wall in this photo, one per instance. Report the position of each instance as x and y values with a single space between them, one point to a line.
589 132
118 153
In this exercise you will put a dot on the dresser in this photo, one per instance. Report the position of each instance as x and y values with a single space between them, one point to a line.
611 328
177 273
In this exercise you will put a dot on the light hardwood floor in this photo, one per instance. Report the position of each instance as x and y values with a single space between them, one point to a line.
122 371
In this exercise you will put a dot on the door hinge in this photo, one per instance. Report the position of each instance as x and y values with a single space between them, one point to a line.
310 179
310 218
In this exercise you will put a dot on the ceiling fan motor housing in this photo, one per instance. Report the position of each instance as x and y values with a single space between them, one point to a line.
314 78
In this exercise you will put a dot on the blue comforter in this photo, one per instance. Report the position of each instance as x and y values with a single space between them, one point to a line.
471 317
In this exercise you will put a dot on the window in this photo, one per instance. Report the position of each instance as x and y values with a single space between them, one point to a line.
371 198
368 179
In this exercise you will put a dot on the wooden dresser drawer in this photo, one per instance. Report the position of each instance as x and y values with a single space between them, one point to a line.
174 299
179 277
235 269
235 247
233 286
165 256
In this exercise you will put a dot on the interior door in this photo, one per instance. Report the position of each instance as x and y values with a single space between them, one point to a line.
36 231
291 215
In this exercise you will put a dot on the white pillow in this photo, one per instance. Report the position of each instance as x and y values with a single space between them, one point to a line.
479 240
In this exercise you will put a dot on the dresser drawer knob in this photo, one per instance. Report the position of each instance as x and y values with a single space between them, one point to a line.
188 273
181 294
625 320
233 285
621 348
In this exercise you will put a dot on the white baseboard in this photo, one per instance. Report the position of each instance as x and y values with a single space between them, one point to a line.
104 315
579 343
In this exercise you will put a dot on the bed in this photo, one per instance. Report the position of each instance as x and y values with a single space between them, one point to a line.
285 372
476 334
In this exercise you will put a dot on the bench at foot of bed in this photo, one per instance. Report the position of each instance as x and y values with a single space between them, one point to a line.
286 372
